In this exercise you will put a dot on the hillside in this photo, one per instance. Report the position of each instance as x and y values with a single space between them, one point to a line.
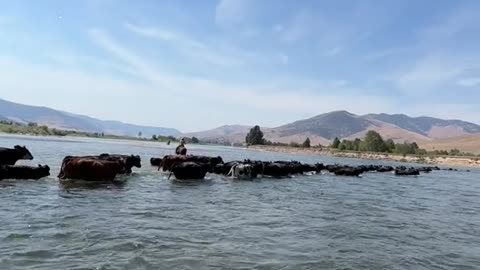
68 121
227 133
321 129
329 125
467 143
428 126
344 125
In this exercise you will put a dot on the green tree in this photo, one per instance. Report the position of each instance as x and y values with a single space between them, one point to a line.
195 140
455 152
306 143
356 144
154 137
374 142
294 144
139 134
336 143
44 129
390 144
255 136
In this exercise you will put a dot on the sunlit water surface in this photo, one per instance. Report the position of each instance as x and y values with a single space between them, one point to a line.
145 221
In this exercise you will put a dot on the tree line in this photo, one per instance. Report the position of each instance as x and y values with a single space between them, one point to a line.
255 137
372 142
160 138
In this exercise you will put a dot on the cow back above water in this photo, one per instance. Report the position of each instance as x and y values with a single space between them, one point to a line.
129 161
24 172
189 170
91 169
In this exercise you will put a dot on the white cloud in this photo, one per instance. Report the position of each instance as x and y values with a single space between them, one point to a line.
230 12
222 89
335 51
432 73
277 28
218 54
383 53
256 96
166 35
297 28
465 17
466 112
469 82
284 58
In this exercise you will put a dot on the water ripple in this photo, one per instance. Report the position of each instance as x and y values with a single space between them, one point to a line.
145 221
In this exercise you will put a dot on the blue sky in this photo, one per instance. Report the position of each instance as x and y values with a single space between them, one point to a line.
195 65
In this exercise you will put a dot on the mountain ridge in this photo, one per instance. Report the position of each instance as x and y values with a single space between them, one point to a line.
323 128
69 121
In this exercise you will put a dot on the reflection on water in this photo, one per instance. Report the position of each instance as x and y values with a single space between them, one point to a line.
145 221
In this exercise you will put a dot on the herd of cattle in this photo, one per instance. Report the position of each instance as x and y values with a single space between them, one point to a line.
196 167
105 167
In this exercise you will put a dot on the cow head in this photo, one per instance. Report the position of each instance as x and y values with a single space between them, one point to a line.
23 151
134 161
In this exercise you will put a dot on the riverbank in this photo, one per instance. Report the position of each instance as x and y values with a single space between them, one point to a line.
431 160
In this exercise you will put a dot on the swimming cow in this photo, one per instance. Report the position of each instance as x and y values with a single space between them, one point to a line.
155 161
9 156
23 172
102 167
169 160
129 160
190 170
90 169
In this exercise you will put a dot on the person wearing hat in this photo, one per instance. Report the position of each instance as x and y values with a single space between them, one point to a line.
181 149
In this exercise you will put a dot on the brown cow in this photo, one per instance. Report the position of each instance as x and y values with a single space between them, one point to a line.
90 169
169 160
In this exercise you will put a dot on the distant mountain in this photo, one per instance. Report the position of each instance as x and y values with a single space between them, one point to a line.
344 125
428 126
227 133
329 125
64 120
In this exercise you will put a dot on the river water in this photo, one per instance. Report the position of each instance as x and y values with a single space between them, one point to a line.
378 221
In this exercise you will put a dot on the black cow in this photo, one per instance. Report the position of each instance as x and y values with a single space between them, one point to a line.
384 168
402 170
155 161
190 170
348 171
10 156
276 169
129 160
169 160
23 172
